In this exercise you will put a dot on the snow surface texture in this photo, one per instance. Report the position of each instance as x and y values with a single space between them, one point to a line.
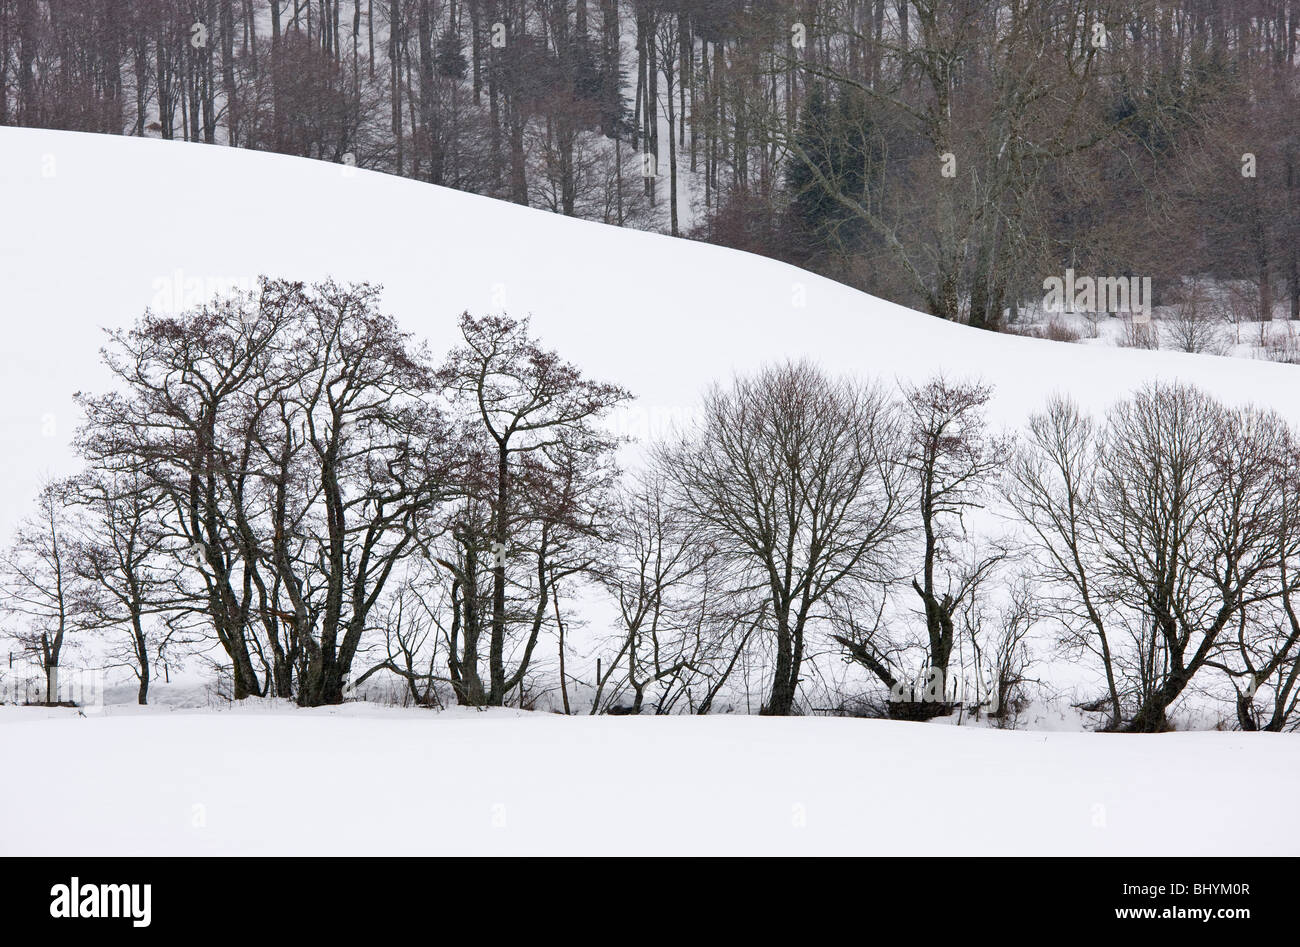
368 780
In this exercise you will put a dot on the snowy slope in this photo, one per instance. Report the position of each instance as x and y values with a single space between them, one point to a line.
361 780
93 229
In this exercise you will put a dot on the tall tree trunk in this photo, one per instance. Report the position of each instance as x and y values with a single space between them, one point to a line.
501 535
228 71
27 22
395 75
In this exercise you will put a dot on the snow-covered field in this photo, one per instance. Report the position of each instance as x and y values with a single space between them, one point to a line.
97 228
365 780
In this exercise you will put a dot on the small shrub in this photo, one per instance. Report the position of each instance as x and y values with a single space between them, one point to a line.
1139 335
1055 331
1283 347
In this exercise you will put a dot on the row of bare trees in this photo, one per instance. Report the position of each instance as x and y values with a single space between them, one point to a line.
944 155
1158 544
1167 541
286 483
273 463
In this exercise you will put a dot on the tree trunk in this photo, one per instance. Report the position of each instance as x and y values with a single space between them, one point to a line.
1151 716
781 701
496 650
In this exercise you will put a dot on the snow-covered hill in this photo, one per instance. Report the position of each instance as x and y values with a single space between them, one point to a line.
94 229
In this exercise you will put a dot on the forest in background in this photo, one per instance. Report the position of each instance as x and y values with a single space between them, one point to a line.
948 156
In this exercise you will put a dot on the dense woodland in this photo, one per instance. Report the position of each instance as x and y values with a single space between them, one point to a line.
285 486
945 155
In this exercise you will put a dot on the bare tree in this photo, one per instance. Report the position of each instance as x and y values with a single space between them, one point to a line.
1191 515
1051 487
1001 654
1165 527
950 460
119 550
298 460
796 479
953 458
990 98
376 463
1263 658
411 625
182 421
1197 325
41 590
657 572
538 462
